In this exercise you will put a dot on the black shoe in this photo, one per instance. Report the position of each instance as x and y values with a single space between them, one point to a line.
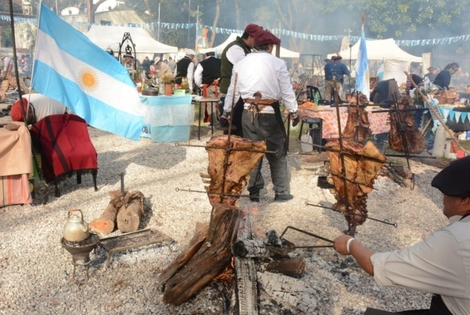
283 196
254 199
254 196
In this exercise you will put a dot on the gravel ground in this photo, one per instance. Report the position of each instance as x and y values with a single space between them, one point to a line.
36 272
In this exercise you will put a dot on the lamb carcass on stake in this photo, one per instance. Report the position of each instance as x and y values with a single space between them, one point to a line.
357 124
238 164
362 163
404 133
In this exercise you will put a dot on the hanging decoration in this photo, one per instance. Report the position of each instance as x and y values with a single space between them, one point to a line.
277 32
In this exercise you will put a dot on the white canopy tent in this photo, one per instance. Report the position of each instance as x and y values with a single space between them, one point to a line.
396 60
111 36
284 53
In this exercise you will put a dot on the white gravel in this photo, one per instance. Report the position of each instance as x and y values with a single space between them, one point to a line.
36 271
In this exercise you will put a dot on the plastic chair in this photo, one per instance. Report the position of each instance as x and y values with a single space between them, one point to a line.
311 91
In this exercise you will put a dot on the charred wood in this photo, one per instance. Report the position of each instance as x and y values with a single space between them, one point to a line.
210 260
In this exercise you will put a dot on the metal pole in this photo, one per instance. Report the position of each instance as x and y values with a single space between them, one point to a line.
189 19
15 60
56 9
197 29
158 32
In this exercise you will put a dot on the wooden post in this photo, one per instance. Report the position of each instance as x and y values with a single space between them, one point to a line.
210 260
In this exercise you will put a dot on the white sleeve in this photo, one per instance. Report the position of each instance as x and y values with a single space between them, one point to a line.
287 92
198 75
230 96
190 75
419 267
235 54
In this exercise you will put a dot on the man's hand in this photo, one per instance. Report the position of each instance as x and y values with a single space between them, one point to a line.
224 119
294 116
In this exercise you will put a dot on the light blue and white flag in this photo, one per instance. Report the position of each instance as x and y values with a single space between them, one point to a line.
69 68
380 71
362 67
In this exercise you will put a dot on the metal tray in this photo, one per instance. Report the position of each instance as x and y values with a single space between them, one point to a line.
132 240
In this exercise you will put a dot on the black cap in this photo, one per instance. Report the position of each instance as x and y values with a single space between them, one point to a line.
454 179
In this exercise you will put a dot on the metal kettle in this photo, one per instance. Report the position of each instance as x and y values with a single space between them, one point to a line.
76 229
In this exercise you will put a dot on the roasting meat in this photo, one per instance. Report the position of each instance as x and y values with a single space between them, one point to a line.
404 133
237 165
362 162
357 125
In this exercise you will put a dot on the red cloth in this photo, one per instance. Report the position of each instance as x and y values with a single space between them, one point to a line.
65 145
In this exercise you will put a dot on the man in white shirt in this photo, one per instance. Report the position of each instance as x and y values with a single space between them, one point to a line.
39 107
233 53
441 263
261 72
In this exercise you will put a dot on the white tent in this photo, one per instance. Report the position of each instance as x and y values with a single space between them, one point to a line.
284 53
396 60
111 36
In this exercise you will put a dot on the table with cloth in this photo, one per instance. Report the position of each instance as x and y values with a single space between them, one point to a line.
379 122
15 165
168 118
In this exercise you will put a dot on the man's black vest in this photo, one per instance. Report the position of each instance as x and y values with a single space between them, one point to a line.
227 66
210 70
182 69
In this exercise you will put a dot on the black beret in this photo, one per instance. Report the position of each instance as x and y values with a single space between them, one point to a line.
454 179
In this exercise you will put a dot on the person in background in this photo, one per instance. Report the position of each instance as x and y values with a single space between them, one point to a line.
128 63
40 106
233 53
431 75
334 69
442 80
207 78
161 67
297 73
440 264
8 78
146 65
185 69
171 64
409 85
261 72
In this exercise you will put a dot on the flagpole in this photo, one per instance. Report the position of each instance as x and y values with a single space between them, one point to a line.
197 28
158 33
15 61
35 48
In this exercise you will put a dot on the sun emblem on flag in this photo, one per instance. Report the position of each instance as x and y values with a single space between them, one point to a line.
88 79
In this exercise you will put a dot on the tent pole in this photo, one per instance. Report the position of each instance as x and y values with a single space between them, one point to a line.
197 28
158 30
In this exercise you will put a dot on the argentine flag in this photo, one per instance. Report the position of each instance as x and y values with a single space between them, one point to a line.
69 68
362 67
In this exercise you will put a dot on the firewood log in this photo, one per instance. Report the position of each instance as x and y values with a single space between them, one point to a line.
130 213
199 237
210 260
106 223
